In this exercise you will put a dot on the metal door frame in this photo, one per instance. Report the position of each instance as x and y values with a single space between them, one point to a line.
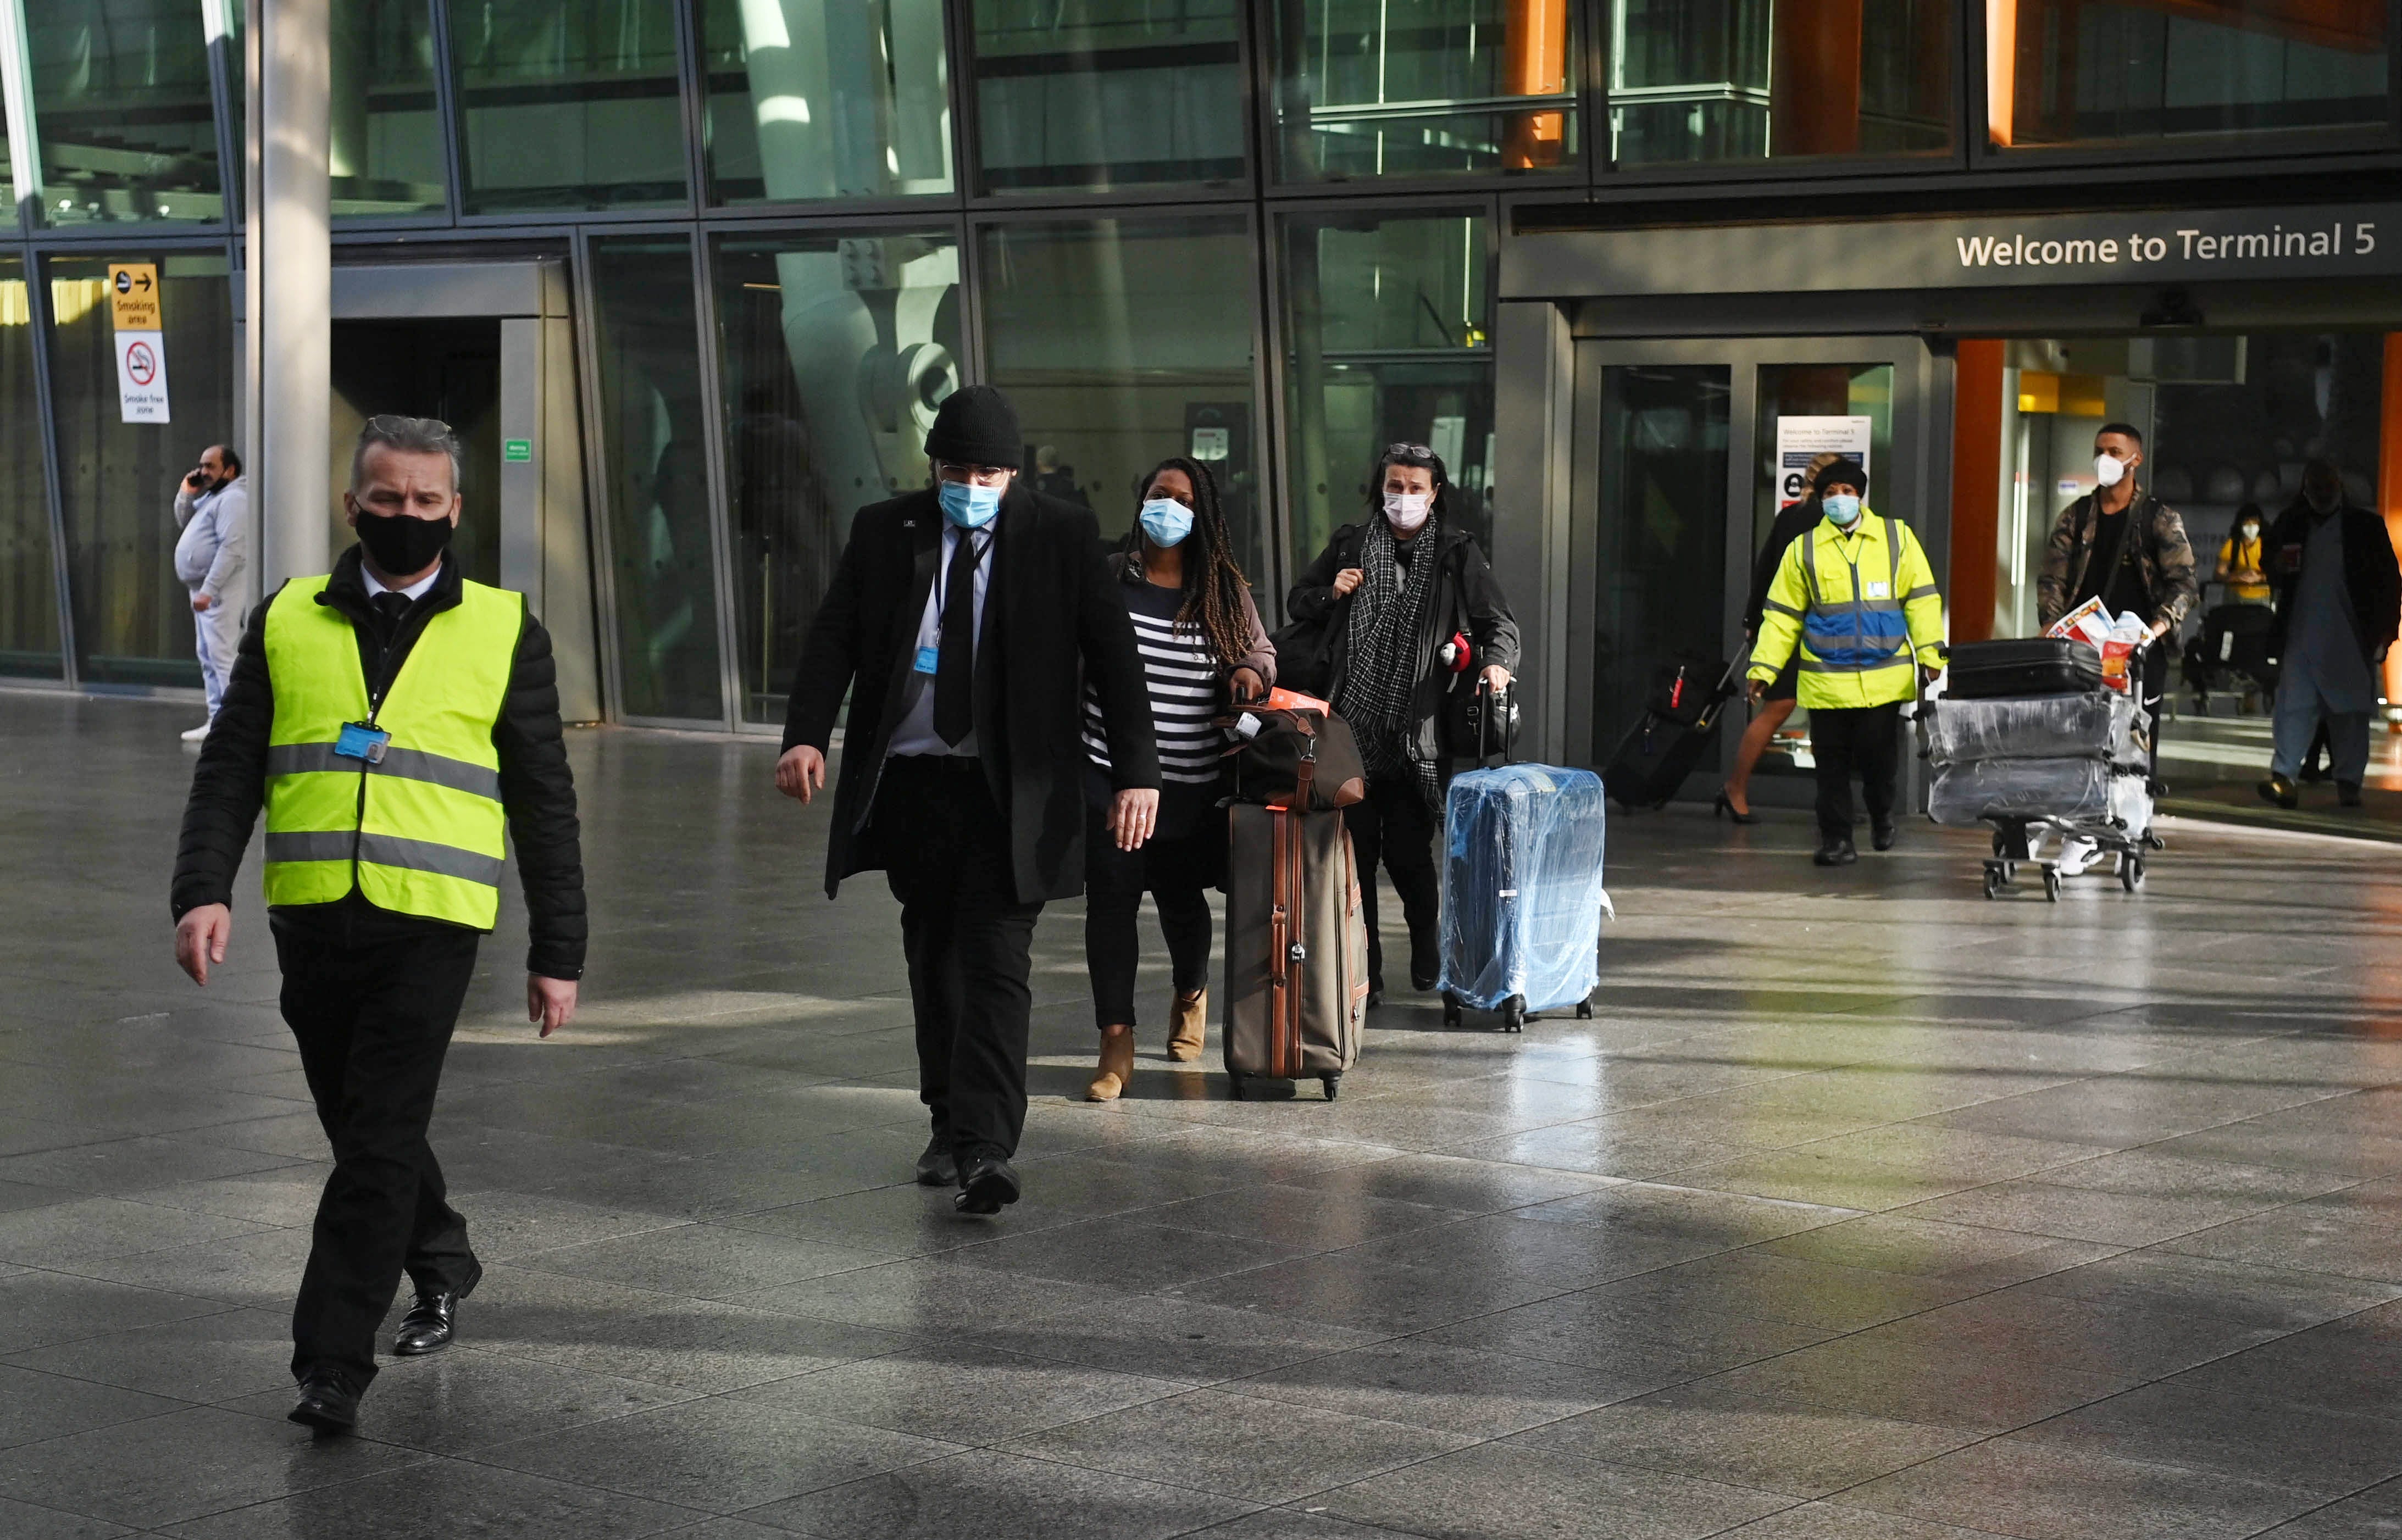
1917 485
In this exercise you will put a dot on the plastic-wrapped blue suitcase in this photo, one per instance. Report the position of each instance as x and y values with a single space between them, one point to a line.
1521 891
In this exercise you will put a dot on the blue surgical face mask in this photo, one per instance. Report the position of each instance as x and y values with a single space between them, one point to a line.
970 507
1842 509
1166 521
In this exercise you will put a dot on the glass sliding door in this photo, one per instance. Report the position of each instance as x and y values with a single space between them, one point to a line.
1685 451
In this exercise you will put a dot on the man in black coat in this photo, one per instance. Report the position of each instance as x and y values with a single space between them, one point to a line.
2339 596
961 622
372 993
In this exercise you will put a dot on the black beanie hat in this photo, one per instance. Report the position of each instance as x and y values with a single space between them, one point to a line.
1851 472
975 426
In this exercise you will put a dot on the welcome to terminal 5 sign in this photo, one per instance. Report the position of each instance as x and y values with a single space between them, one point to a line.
2176 246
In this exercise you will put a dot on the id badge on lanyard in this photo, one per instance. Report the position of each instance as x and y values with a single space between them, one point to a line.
363 741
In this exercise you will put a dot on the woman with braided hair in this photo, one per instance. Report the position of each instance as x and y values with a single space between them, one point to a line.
1201 641
1390 591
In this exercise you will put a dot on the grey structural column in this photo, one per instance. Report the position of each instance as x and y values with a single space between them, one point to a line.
17 97
288 332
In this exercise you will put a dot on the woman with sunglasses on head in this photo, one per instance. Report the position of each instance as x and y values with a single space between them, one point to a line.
1390 590
1201 642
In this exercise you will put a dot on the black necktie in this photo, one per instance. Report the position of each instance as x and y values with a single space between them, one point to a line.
391 605
955 665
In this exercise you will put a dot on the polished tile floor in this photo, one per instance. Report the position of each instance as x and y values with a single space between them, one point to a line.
1866 1209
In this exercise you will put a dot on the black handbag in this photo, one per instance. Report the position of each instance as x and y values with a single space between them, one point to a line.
1304 651
1477 721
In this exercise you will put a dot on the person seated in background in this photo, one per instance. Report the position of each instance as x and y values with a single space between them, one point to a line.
2240 562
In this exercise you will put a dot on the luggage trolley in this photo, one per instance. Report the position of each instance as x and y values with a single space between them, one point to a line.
2065 766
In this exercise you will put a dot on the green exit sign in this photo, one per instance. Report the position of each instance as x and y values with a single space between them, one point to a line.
517 449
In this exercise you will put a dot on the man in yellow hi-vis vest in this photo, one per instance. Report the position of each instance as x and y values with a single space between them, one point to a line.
1856 598
393 719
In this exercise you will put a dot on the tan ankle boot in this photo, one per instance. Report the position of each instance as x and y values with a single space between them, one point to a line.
1117 1069
1188 1025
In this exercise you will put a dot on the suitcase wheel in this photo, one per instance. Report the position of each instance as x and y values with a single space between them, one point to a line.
1514 1013
2051 884
1993 879
1332 1084
1584 1010
1235 1082
1450 1008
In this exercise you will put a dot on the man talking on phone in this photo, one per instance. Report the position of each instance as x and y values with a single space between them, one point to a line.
393 718
212 561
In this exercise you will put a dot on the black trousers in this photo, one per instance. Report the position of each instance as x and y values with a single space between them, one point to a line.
1177 873
1862 739
373 1015
1393 824
969 940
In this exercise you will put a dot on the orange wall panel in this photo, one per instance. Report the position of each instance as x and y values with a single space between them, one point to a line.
1976 482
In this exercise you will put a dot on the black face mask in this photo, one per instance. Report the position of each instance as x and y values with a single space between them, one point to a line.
402 543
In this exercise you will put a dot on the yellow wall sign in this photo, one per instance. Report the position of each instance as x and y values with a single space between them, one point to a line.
133 296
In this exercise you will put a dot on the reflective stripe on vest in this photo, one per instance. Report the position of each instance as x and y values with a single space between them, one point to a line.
420 832
1878 636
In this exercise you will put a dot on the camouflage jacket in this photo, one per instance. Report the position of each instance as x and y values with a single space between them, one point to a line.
2163 555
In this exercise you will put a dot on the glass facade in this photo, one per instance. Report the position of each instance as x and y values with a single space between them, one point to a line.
123 112
1265 233
662 555
1748 79
2062 72
28 589
568 105
1108 93
810 99
387 156
1421 88
1123 341
835 351
1387 338
133 620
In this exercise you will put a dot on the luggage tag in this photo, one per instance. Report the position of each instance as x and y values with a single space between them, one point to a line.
361 740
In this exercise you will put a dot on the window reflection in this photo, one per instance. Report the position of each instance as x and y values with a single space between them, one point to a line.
385 151
810 99
126 124
568 104
1108 93
133 620
29 592
836 351
1748 79
2064 71
1388 323
647 340
1123 341
1416 88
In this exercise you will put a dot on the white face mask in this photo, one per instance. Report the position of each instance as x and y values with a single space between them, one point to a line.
1406 511
2110 471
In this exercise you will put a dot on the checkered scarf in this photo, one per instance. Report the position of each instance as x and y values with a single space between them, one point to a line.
1382 668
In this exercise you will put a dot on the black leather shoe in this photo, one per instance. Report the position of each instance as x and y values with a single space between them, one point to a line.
429 1324
327 1403
2280 790
938 1166
1837 853
2347 793
1883 832
1425 964
987 1186
1375 998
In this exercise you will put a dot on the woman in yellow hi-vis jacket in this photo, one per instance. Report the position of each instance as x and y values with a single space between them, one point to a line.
1856 596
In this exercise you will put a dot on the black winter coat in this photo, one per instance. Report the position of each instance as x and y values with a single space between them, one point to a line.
1052 617
1464 597
537 787
1791 524
2368 572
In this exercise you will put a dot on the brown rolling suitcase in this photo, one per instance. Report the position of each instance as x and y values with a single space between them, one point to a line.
1296 946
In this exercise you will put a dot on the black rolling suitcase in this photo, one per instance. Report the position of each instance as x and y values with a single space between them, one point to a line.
1679 720
2032 666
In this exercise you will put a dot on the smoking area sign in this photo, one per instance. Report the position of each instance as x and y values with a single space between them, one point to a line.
141 346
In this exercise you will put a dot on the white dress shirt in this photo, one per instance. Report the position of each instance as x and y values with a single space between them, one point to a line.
914 734
415 590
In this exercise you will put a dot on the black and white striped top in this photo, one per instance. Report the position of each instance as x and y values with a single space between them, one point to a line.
1182 672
